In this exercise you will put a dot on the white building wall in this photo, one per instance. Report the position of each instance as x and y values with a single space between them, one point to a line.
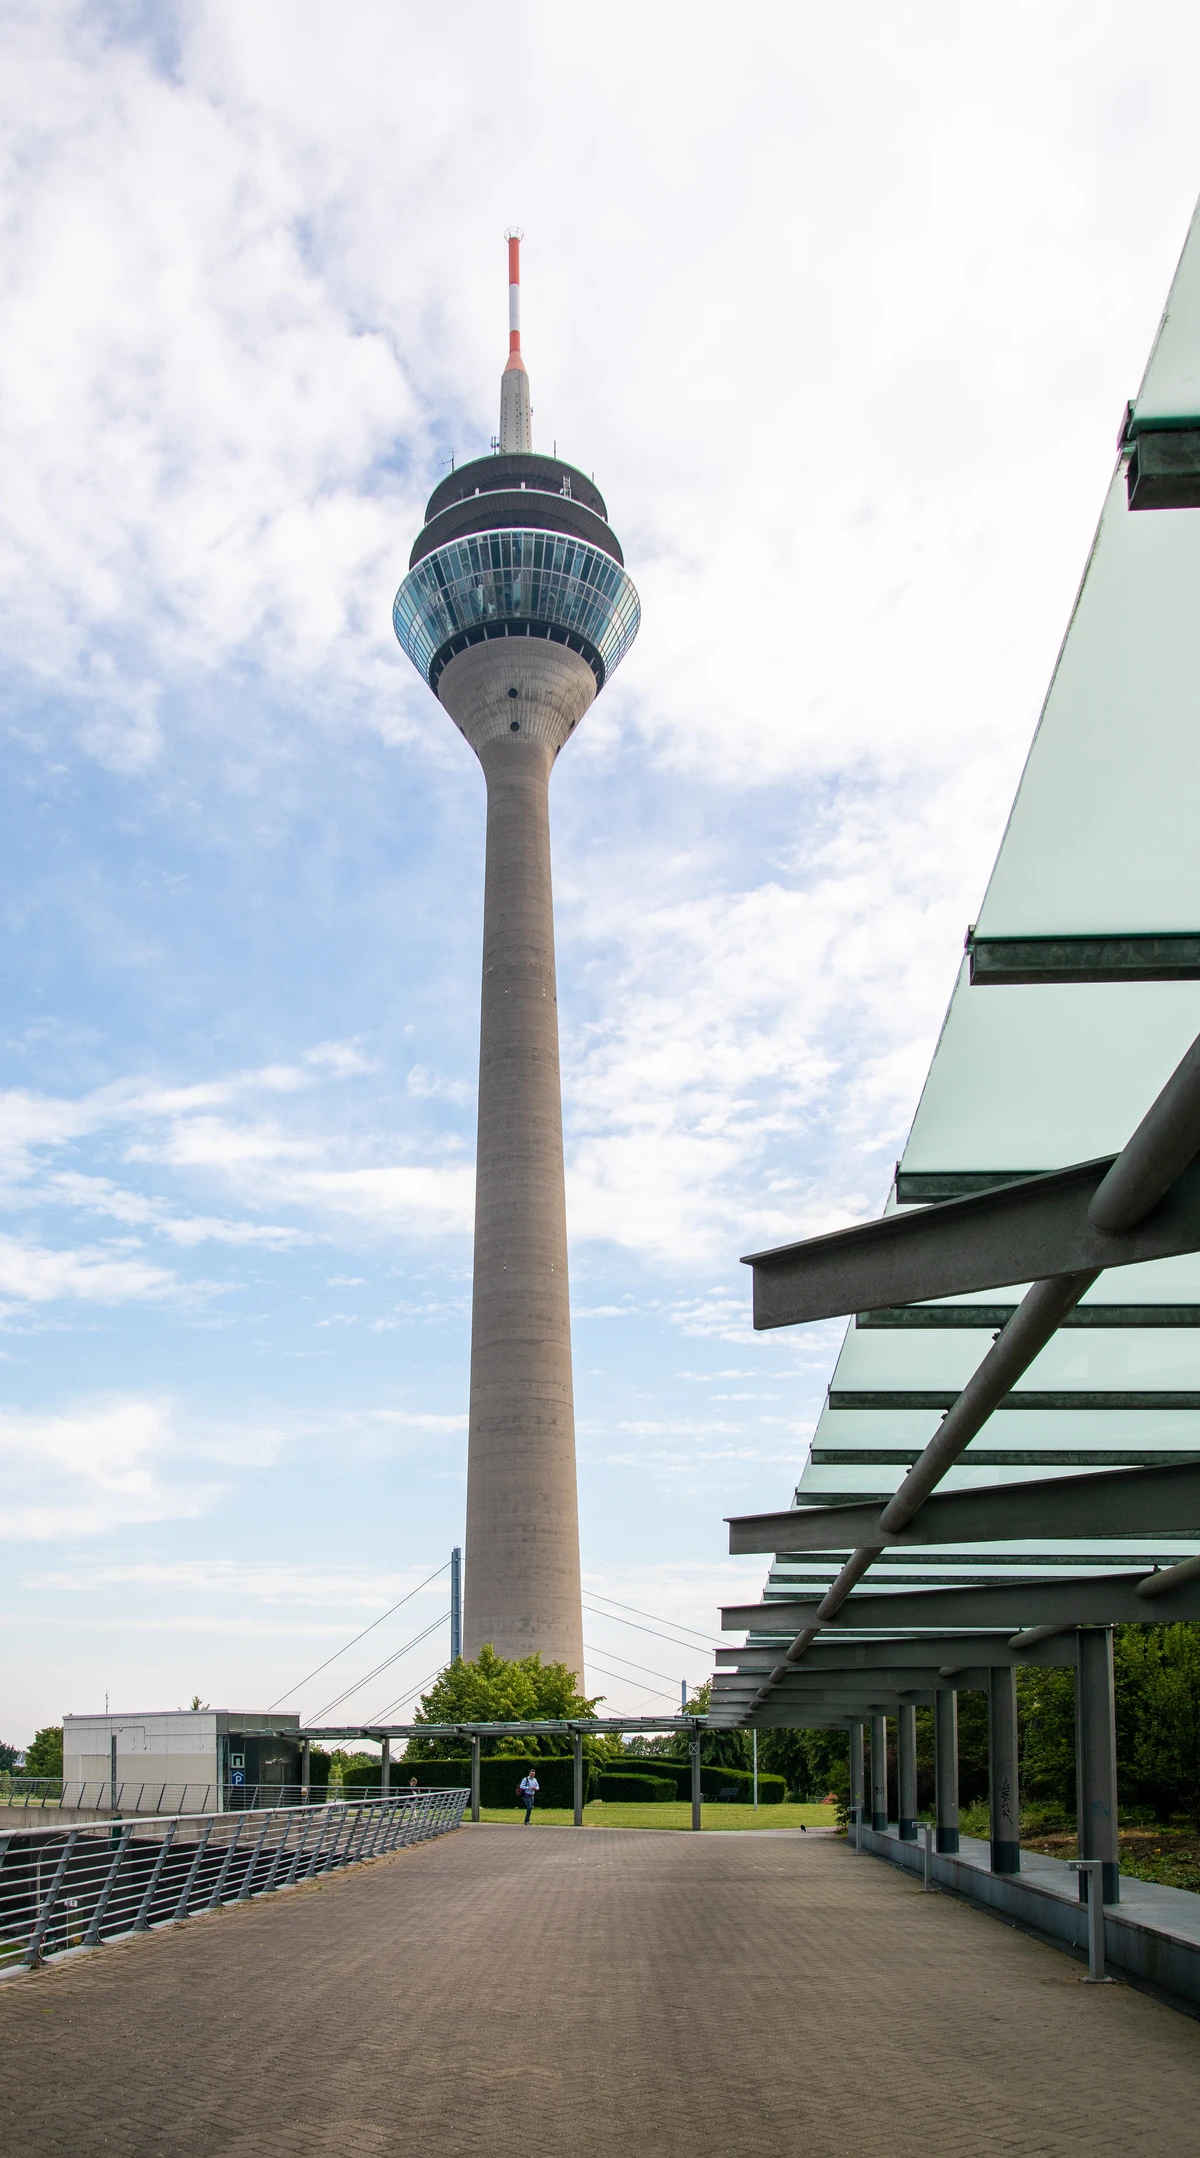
176 1749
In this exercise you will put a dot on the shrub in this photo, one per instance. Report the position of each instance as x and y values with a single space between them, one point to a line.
646 1790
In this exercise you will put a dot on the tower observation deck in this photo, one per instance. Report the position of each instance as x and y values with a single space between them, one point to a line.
516 609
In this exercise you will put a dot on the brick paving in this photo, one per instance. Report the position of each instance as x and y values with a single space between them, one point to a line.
604 1993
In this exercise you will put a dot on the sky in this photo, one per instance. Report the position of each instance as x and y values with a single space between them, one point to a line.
842 314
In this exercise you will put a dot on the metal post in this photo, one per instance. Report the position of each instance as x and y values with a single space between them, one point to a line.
879 1792
927 1830
33 1954
142 1921
112 1773
455 1604
300 1850
945 1767
577 1793
754 1736
345 1818
305 1771
694 1751
1096 1759
218 1889
856 1778
243 1894
475 1777
1090 1871
385 1774
92 1936
906 1759
1003 1793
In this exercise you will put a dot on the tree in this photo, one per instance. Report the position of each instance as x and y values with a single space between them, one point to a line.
9 1756
718 1749
814 1762
1158 1668
44 1753
498 1689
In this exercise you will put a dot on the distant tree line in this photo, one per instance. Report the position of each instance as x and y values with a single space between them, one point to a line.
1157 1672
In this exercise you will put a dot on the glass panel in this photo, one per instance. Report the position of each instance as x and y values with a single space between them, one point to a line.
1102 834
1039 1076
1171 388
526 576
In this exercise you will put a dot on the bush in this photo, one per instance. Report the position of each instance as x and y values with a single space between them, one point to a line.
633 1790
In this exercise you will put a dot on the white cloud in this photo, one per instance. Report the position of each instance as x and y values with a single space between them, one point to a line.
97 1467
33 1274
256 1580
425 1085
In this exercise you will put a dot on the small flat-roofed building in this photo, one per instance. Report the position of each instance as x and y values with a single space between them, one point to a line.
180 1760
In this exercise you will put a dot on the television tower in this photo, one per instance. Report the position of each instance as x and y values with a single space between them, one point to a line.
516 609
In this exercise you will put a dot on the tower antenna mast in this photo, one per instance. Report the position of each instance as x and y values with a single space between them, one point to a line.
516 411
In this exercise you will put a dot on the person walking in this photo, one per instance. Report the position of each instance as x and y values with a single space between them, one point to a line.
527 1791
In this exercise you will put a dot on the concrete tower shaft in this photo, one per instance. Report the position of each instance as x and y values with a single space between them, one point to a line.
516 608
516 704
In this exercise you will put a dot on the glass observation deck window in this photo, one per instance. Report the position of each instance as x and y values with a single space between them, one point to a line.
540 582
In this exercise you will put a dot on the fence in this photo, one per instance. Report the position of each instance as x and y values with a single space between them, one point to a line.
97 1795
72 1888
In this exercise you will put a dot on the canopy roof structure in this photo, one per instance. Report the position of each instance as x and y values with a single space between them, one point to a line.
1058 1424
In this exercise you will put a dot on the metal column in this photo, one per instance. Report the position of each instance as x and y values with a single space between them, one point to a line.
1096 1760
577 1741
945 1767
305 1771
856 1771
455 1604
879 1790
385 1768
475 1778
694 1751
1003 1793
906 1762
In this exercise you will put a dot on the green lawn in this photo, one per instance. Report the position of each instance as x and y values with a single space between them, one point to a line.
608 1814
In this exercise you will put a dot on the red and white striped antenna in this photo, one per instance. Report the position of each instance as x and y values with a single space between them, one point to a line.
516 413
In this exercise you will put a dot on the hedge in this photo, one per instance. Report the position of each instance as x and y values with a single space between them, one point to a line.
644 1790
772 1790
499 1775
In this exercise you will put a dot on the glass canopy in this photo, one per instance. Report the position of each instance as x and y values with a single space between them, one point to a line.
1057 1063
541 580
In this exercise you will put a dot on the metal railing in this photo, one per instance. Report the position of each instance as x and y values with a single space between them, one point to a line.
96 1795
64 1889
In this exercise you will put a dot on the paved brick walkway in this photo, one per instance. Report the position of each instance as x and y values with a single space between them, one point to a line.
607 1994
